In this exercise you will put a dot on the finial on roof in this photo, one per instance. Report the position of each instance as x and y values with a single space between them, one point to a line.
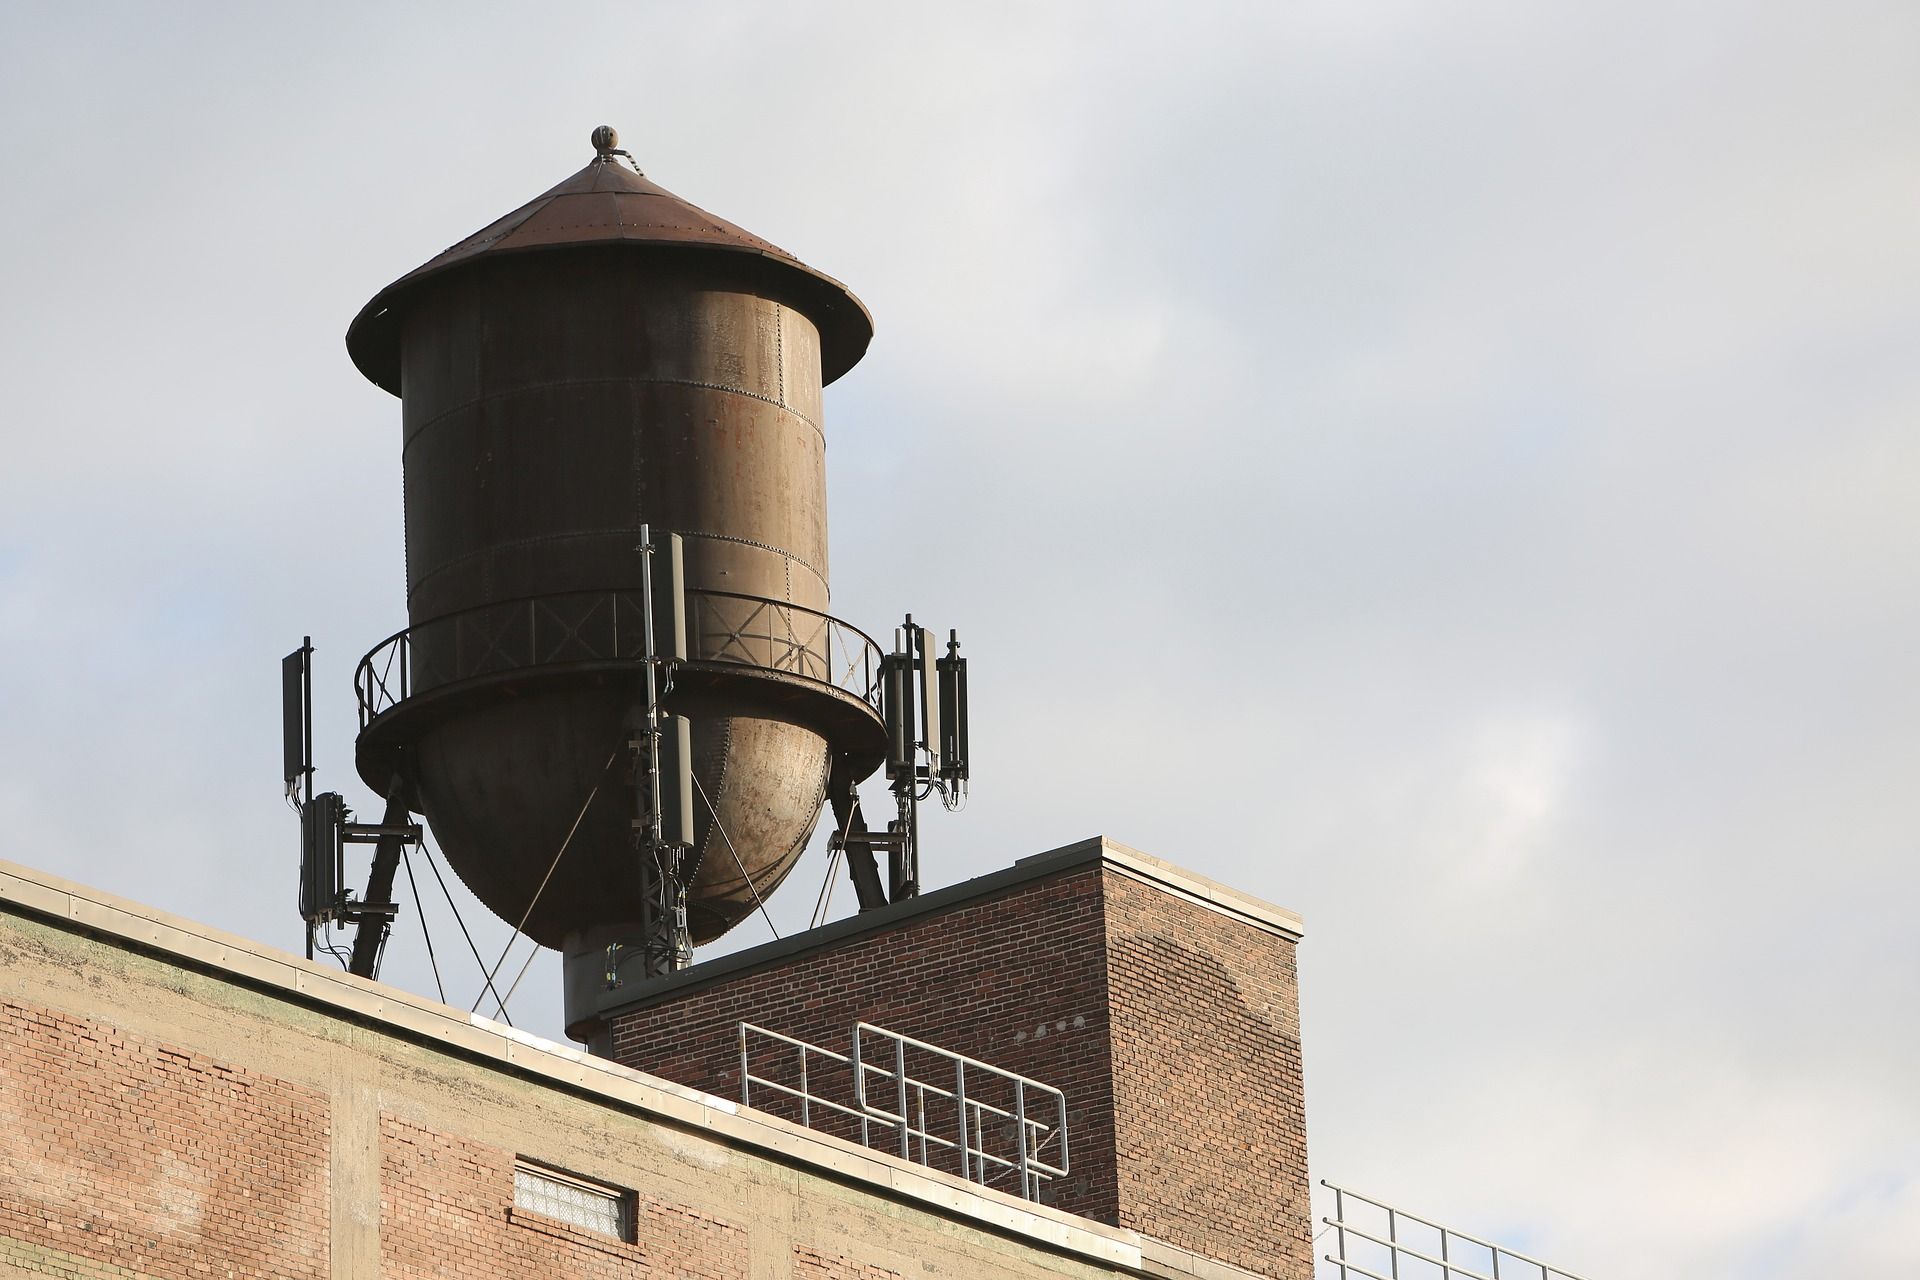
606 145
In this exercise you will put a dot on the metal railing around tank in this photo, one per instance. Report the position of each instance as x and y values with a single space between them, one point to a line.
1021 1136
606 626
1381 1242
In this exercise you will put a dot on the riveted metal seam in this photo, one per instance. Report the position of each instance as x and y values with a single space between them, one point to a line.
453 411
427 575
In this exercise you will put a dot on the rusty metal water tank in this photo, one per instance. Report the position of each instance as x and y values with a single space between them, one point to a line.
605 357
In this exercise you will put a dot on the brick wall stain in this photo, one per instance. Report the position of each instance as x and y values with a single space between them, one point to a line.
130 1153
1017 981
446 1209
1208 1093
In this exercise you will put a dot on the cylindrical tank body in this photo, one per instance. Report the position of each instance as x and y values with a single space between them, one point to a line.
629 374
553 404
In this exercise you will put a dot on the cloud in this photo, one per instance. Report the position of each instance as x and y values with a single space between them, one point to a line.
1445 471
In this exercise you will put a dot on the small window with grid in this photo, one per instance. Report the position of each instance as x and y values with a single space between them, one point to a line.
569 1198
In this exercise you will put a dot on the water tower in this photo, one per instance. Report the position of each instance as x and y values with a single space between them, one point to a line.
622 701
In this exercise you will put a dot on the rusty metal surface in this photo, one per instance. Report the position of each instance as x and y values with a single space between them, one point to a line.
651 365
501 785
555 403
607 204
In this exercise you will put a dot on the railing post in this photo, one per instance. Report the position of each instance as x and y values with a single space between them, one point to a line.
1340 1228
960 1105
1020 1123
746 1086
900 1080
980 1140
1061 1100
806 1094
860 1089
1393 1244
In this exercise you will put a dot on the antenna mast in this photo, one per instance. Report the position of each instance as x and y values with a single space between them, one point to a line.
662 770
325 828
924 701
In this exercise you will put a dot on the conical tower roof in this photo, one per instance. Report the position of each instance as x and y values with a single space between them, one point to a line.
609 203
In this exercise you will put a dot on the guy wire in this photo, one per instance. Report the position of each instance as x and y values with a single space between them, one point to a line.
485 976
721 828
421 909
528 913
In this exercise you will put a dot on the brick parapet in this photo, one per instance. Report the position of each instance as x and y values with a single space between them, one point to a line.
1165 1006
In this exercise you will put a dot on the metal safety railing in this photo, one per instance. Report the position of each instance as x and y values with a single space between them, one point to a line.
607 626
1022 1135
1382 1242
754 631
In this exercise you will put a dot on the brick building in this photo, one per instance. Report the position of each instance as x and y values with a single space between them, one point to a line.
175 1101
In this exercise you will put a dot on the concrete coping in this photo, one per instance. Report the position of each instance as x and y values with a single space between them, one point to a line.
25 891
1095 850
1182 883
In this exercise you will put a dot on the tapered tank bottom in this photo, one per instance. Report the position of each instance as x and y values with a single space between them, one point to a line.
502 784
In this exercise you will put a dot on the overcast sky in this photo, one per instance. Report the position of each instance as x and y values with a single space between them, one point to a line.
1446 469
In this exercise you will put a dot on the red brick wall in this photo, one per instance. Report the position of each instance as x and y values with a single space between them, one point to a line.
1017 981
1172 1027
446 1209
132 1152
1209 1103
1174 1030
